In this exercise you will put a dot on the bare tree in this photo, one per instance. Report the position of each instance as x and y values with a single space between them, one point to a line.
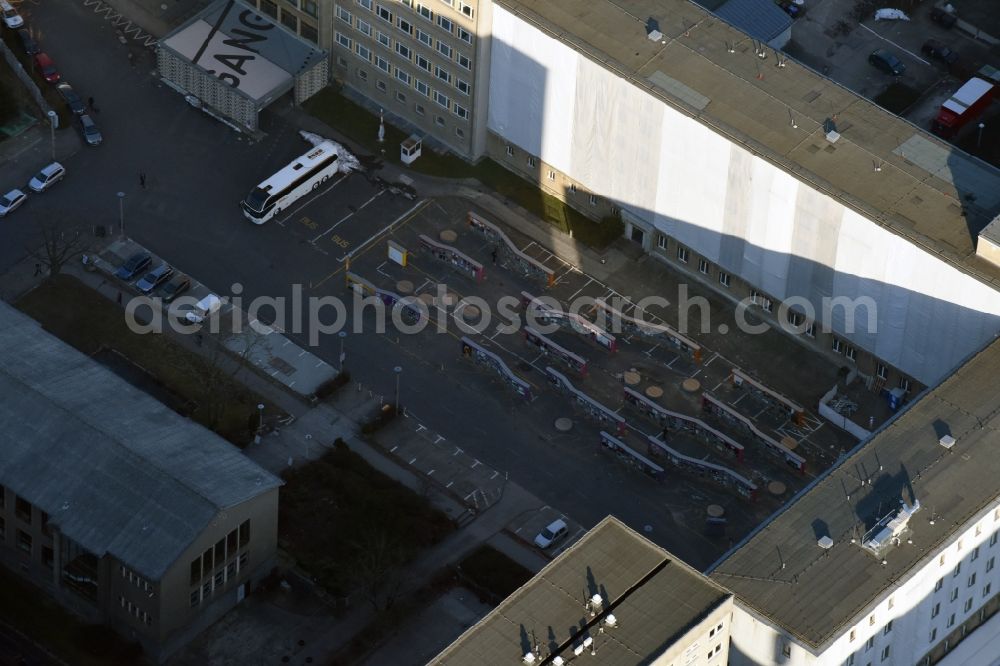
58 246
377 562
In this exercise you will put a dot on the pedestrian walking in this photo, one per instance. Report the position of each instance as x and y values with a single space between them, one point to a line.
494 255
142 179
119 298
38 270
90 102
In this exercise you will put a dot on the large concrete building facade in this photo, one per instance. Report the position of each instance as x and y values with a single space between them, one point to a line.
123 511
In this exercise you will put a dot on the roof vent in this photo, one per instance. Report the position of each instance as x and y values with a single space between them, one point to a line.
832 136
825 542
528 658
611 620
558 661
947 441
655 35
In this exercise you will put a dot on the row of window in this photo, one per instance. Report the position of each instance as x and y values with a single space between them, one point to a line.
551 176
135 578
291 20
425 13
225 549
135 611
215 583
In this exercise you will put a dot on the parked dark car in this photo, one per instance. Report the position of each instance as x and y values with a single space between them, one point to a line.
137 263
154 278
46 68
791 8
943 18
935 49
175 288
72 100
31 47
91 134
887 62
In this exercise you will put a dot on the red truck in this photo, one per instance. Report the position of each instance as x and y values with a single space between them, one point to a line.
966 104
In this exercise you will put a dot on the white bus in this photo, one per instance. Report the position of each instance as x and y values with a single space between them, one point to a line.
300 177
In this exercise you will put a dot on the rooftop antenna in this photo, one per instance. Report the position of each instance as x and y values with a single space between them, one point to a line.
791 117
782 61
730 48
878 166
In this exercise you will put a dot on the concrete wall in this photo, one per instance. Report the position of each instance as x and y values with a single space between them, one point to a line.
706 643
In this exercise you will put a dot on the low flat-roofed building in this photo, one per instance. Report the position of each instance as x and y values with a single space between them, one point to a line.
614 594
891 556
124 511
236 60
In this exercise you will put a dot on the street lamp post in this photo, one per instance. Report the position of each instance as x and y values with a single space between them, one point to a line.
53 121
979 139
121 213
260 423
398 370
342 335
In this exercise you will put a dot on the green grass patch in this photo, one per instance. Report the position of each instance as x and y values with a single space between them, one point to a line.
361 126
28 610
346 523
81 317
488 570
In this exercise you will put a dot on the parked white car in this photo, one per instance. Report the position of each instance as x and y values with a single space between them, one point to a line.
10 201
47 177
11 18
555 531
203 309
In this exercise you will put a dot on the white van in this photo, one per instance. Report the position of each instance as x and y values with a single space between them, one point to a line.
11 18
203 309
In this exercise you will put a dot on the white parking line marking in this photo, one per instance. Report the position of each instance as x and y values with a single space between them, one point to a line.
348 216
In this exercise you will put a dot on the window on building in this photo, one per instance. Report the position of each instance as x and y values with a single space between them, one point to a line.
850 352
794 318
703 266
887 628
881 370
935 609
989 563
853 635
383 39
423 63
786 650
572 188
975 553
933 635
444 49
367 4
445 24
885 652
993 539
343 40
24 541
439 121
870 643
850 660
941 560
724 279
404 25
682 254
968 604
979 530
243 559
344 15
422 87
442 74
939 584
593 199
309 32
460 111
465 35
382 63
403 76
464 62
195 570
195 598
972 580
954 595
269 8
419 109
531 161
403 50
986 589
425 12
904 383
309 7
22 509
383 14
362 74
468 10
810 329
290 20
661 241
363 52
951 621
551 175
459 132
400 97
510 151
957 570
441 99
424 38
837 345
220 578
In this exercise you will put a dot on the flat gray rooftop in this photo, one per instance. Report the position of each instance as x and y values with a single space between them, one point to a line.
655 598
783 574
116 470
936 196
244 48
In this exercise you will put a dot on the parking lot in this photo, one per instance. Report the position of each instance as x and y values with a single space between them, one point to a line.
835 37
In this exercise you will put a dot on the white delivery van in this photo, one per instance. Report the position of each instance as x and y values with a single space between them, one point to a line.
203 309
